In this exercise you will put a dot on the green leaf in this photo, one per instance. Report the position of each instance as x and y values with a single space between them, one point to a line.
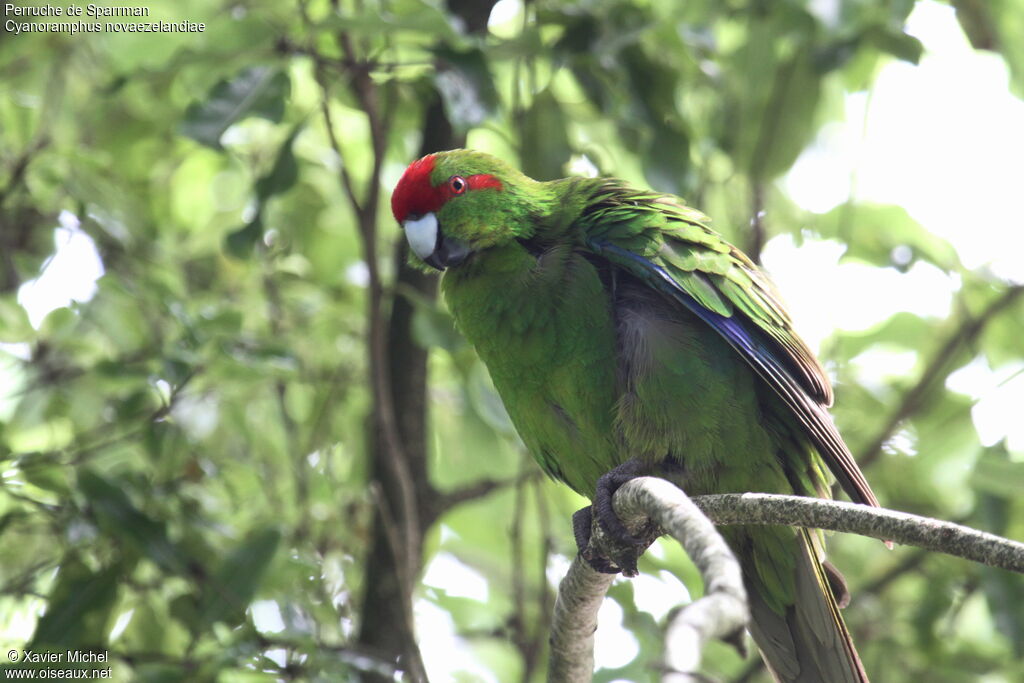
14 324
896 43
254 91
78 606
885 235
996 25
545 142
41 471
9 518
997 475
60 323
1005 593
280 178
1001 340
785 122
239 243
151 628
183 608
667 164
900 331
469 614
1003 590
232 587
978 24
284 173
117 516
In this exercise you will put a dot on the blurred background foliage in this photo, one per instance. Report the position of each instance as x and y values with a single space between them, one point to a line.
256 448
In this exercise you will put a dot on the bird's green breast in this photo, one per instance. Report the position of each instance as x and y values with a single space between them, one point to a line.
544 328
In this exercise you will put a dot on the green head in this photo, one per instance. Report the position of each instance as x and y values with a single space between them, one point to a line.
452 204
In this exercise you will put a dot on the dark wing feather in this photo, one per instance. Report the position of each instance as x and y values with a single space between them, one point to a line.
667 245
808 642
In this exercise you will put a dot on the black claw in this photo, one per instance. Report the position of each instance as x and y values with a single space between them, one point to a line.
607 485
619 549
582 520
582 523
604 566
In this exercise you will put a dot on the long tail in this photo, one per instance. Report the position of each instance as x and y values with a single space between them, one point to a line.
810 642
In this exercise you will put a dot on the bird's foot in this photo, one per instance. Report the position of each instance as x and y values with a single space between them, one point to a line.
603 540
582 526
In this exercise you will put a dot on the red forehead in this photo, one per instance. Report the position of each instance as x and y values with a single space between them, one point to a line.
416 195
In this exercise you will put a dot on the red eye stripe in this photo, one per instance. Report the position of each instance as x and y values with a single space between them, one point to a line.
415 195
481 181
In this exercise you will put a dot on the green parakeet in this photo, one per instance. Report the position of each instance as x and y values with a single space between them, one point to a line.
618 328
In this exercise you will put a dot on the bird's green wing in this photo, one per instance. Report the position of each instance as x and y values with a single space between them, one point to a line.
666 244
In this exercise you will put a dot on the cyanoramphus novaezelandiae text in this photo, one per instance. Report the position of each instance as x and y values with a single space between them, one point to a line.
622 332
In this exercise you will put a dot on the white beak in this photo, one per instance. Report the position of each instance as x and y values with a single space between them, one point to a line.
422 234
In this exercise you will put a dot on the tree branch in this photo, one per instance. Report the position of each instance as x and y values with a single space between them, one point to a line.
574 623
403 527
20 166
384 414
468 493
722 612
899 527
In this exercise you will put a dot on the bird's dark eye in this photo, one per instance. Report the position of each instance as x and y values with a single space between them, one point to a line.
457 184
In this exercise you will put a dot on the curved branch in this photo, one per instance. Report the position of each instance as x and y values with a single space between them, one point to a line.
880 523
723 610
721 613
574 622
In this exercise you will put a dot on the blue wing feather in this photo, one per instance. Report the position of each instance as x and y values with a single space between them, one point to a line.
767 358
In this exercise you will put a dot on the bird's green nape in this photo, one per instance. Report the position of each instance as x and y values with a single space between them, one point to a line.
618 327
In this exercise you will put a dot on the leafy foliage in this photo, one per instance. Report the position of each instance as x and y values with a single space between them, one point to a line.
186 454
